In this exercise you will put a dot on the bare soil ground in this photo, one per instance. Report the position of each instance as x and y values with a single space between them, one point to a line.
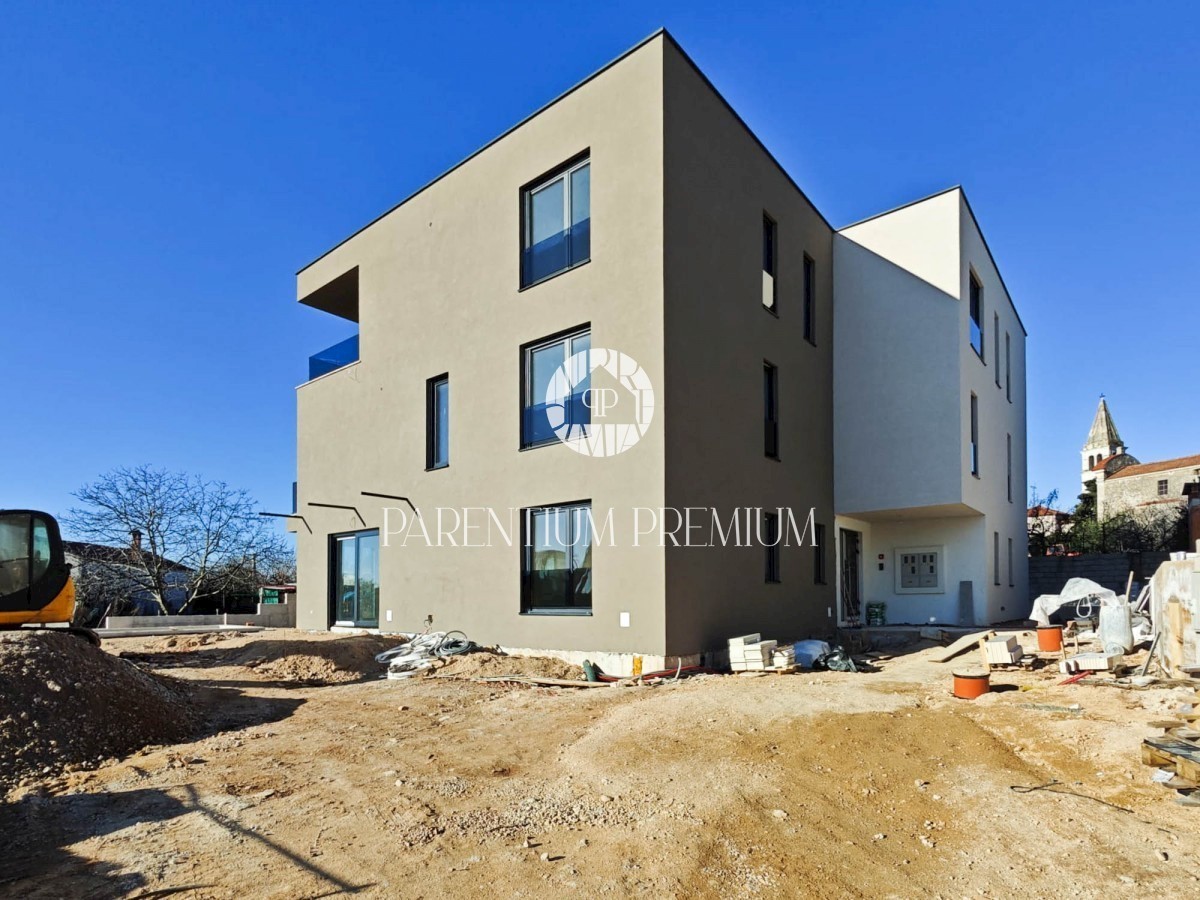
310 776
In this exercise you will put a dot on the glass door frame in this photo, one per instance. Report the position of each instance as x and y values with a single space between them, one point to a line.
335 578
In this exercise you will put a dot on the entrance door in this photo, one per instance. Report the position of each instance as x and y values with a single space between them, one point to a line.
354 567
850 597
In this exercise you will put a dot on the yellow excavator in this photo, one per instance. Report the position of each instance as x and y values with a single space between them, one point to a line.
35 580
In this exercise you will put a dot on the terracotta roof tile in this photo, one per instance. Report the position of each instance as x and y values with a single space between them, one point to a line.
1183 462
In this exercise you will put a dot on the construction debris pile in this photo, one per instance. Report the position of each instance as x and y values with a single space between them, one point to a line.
65 703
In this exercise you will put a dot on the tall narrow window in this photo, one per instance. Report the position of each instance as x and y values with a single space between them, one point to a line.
437 422
771 410
354 578
974 435
1010 500
556 223
819 554
996 557
1010 563
554 407
976 315
770 259
996 347
1008 366
1162 487
810 299
556 559
770 539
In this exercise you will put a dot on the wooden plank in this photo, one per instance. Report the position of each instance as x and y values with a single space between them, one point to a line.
1180 755
962 645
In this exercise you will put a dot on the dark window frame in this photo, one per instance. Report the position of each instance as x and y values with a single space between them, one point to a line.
975 313
1008 365
432 422
996 558
1163 487
1010 468
526 192
770 259
334 576
523 381
996 346
526 549
975 467
820 574
771 544
770 410
810 299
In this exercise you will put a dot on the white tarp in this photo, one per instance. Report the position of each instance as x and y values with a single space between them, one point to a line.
1082 597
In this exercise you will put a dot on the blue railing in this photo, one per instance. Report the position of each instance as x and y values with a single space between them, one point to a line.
340 354
557 252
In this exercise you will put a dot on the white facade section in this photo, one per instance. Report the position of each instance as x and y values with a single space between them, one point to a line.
905 373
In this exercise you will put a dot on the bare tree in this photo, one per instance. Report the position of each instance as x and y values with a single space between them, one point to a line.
195 538
104 586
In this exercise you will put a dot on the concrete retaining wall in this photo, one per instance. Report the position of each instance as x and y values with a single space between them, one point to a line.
268 615
1047 574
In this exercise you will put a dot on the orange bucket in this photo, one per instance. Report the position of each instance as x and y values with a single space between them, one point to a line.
1050 638
971 684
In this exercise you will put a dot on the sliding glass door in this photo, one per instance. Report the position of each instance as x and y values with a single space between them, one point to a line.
354 564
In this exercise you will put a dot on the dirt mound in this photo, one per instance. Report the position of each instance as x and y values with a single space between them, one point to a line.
490 664
191 641
333 661
64 702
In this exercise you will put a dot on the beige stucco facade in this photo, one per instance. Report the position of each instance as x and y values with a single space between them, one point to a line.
679 191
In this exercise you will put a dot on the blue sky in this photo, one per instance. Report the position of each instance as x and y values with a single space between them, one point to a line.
166 168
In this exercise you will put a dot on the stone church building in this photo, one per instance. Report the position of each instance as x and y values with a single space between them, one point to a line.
1123 482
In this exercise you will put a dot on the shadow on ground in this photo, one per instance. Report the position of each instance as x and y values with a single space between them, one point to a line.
40 829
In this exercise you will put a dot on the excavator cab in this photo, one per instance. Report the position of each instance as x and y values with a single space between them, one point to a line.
35 580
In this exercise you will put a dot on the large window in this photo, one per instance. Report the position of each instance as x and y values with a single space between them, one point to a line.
976 315
437 422
770 539
770 410
974 435
548 403
24 552
556 559
770 256
355 578
556 223
810 299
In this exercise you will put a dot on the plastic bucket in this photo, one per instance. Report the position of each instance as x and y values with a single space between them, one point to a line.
971 684
1050 638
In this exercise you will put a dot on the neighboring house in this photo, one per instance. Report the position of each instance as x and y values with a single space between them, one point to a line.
637 212
118 570
1125 483
1047 528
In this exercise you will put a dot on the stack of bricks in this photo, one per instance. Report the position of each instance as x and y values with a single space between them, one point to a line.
750 653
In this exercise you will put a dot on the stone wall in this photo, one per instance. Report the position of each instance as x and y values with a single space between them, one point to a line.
1117 494
1047 574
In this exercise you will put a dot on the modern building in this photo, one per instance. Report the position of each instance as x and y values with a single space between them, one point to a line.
929 420
637 213
1122 482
